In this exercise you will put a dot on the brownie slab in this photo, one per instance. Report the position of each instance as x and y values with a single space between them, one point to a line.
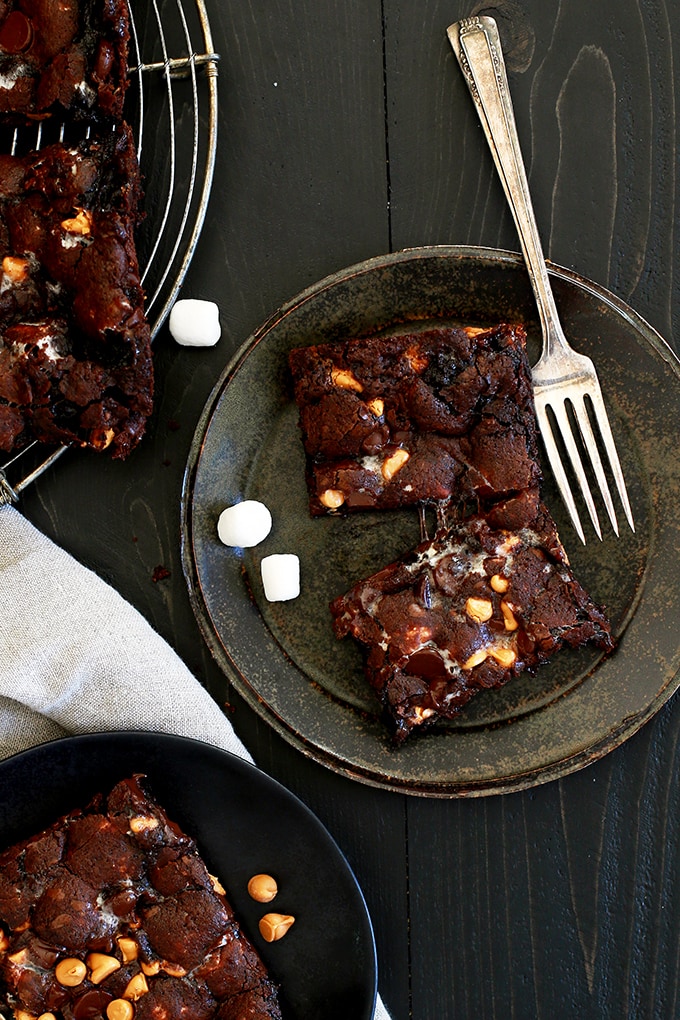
75 354
484 600
63 59
111 913
419 416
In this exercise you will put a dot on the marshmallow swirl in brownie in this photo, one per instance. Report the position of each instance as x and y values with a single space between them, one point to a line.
75 354
63 58
484 600
111 914
418 416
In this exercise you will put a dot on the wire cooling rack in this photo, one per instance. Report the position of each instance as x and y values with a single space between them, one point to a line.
172 107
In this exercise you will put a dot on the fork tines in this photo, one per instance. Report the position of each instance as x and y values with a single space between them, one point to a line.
556 423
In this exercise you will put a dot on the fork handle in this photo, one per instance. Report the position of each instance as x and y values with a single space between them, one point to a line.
477 46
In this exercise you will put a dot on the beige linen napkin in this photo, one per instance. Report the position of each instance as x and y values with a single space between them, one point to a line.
75 657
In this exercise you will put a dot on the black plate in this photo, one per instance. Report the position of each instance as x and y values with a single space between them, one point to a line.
244 823
283 657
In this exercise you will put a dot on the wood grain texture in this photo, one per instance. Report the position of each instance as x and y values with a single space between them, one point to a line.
558 902
346 129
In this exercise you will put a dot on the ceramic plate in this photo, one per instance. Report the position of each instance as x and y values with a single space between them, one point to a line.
283 657
244 823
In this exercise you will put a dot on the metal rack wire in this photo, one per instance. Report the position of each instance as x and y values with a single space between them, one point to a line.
172 107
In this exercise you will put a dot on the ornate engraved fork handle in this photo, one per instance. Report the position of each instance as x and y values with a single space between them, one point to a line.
561 376
477 46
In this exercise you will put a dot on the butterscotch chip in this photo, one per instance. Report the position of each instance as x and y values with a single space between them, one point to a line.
332 499
136 987
479 609
394 463
262 888
505 656
80 224
15 269
143 823
217 885
69 972
475 659
129 948
509 617
345 380
499 583
120 1009
274 926
101 966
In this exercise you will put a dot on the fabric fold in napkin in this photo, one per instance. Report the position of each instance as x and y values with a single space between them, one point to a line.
75 657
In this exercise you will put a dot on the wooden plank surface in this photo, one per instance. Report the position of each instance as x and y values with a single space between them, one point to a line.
346 131
548 902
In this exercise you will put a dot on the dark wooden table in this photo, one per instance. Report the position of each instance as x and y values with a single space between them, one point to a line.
346 131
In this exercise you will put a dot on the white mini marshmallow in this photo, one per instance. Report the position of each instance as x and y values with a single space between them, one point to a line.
195 323
244 524
280 577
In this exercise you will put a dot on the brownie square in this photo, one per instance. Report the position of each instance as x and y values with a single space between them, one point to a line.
65 58
425 416
75 354
113 904
484 600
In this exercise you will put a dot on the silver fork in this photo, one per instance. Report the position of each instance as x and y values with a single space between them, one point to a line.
562 378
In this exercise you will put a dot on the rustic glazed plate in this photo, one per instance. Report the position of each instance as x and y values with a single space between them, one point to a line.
326 964
283 657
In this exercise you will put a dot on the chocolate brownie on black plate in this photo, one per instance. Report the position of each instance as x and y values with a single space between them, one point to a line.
421 416
488 597
111 914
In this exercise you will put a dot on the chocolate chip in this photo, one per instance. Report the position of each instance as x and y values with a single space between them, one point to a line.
91 1004
16 33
